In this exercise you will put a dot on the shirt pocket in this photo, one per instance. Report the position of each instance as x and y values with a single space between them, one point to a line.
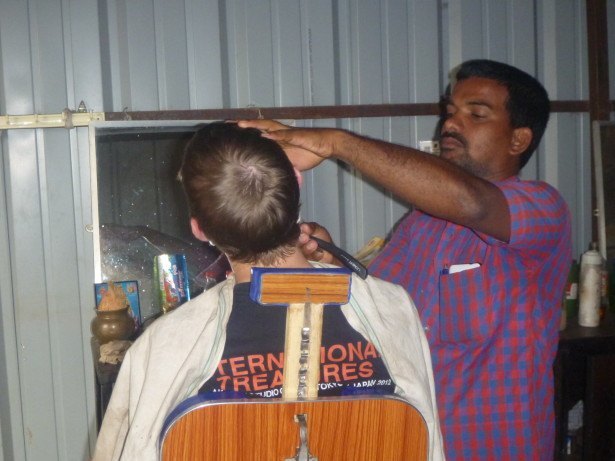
466 313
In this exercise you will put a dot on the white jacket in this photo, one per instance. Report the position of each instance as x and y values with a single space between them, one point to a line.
176 354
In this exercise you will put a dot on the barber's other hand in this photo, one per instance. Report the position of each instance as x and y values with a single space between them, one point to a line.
310 248
305 147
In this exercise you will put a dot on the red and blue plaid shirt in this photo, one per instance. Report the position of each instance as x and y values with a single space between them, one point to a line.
492 329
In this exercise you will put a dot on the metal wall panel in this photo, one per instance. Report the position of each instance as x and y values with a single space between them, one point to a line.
251 51
84 77
391 59
49 385
203 30
364 205
11 416
310 78
26 241
11 421
564 155
156 54
171 53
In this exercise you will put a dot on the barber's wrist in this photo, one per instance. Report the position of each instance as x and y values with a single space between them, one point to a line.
345 146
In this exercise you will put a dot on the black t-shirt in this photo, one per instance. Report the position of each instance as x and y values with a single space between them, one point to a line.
252 361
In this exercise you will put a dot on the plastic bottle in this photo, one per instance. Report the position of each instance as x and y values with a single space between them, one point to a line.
590 291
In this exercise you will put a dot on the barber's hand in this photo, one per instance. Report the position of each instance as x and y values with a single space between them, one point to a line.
263 125
305 147
310 248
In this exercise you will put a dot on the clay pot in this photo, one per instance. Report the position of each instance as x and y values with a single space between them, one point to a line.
112 325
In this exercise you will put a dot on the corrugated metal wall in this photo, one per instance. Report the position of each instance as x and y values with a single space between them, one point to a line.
195 54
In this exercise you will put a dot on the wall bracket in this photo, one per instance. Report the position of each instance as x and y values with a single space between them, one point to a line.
66 119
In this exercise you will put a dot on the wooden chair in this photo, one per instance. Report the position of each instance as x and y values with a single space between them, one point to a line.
299 426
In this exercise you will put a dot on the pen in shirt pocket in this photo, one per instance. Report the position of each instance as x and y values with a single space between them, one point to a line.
454 268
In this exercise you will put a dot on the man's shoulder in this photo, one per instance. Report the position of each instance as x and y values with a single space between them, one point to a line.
374 292
175 335
381 292
528 185
521 193
385 286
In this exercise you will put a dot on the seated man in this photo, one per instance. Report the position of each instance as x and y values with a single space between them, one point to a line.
243 195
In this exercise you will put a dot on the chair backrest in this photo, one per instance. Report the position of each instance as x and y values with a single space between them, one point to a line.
300 426
353 428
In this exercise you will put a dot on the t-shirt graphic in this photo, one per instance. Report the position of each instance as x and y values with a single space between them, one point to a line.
253 358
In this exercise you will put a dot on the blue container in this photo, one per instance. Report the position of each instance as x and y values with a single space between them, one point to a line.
171 281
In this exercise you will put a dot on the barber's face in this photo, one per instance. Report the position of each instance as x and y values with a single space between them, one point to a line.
476 134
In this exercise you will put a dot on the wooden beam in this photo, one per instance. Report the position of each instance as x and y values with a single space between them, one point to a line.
598 60
569 106
312 112
598 70
280 113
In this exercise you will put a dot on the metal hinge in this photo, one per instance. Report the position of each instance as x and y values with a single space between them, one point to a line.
303 450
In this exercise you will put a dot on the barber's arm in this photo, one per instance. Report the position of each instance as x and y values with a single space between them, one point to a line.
429 183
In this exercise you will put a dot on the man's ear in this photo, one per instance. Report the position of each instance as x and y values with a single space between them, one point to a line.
298 176
196 230
521 139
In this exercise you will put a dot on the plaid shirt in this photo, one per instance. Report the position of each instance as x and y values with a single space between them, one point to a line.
492 329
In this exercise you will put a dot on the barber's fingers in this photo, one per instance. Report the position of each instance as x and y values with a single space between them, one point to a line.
302 159
313 228
309 247
303 146
316 140
263 125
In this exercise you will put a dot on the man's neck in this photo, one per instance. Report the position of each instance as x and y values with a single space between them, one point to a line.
243 271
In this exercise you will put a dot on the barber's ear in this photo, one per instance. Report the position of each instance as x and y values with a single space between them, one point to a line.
196 230
521 139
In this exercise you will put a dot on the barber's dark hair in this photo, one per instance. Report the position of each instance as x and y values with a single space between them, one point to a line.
528 102
243 192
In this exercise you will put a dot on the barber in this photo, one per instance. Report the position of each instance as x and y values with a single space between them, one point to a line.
484 255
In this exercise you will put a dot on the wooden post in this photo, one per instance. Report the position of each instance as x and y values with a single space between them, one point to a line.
306 292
